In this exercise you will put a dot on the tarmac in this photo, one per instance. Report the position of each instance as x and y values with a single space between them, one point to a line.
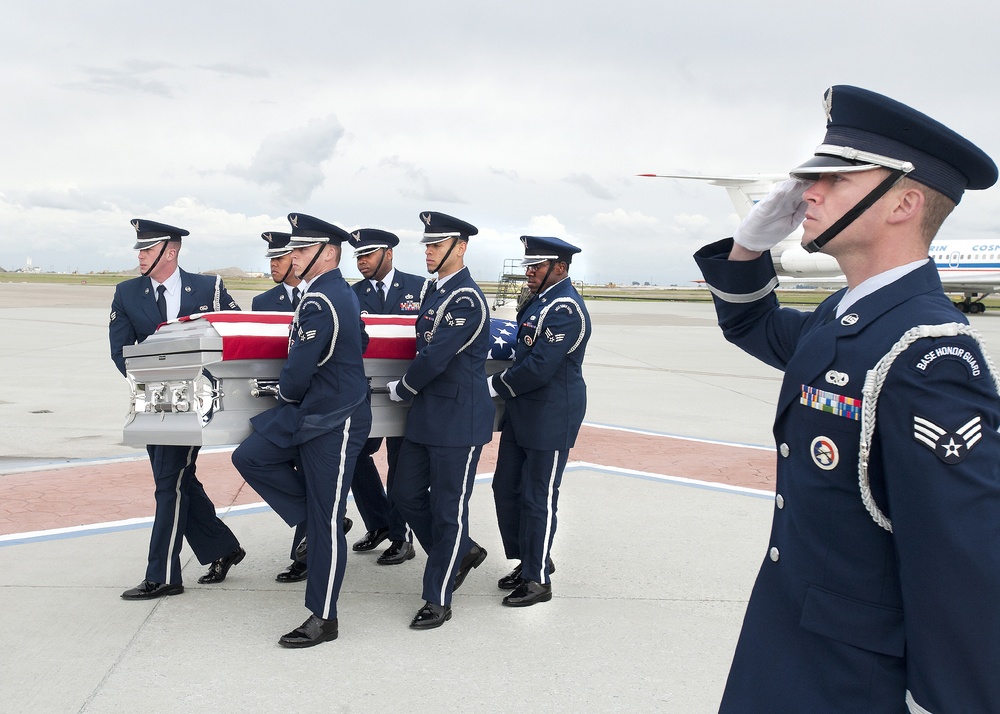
664 516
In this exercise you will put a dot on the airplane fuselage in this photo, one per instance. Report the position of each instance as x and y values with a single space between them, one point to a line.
969 267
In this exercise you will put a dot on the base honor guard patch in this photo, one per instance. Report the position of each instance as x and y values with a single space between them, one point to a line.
838 404
824 453
950 447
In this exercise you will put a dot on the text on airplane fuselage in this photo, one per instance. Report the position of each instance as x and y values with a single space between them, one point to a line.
981 248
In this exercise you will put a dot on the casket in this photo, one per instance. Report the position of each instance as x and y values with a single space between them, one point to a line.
198 380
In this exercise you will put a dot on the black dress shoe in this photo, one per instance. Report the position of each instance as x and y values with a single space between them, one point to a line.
513 578
147 590
302 549
399 552
372 540
528 593
430 616
218 570
293 573
311 632
473 559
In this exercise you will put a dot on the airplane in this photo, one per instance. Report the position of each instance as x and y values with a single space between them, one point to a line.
965 266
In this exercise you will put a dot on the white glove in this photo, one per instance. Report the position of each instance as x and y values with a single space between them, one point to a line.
773 219
493 392
391 386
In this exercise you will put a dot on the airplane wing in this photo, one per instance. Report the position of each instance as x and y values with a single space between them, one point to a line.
744 191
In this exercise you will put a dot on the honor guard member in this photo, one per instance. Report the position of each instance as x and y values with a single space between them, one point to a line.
285 295
450 419
545 400
878 589
321 422
183 510
383 291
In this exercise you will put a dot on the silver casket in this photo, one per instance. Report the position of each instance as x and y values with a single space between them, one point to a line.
198 380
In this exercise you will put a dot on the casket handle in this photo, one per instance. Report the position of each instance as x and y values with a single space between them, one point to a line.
264 388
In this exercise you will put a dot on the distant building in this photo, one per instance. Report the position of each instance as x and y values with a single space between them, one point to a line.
28 267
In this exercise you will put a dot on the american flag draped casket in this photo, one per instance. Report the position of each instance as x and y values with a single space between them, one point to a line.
198 380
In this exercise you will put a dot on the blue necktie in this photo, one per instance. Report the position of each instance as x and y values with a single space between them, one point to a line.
161 302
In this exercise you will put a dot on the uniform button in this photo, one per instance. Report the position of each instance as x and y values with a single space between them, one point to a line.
774 554
783 449
779 500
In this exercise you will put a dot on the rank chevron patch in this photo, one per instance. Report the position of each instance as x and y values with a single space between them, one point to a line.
950 447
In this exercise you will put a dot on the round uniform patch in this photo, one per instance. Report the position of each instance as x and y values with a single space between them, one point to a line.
824 453
428 336
529 340
849 319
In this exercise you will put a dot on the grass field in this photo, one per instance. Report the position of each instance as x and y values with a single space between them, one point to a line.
589 292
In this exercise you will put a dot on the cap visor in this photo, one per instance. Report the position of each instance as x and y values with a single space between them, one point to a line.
819 165
143 244
304 242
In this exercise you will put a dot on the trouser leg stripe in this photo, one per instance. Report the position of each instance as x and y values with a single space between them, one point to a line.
549 507
334 541
177 514
458 537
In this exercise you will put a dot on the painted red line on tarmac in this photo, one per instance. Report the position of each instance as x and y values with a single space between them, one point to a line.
86 494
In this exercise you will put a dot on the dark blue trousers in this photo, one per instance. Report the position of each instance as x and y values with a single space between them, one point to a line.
369 495
526 493
432 488
374 501
315 494
183 510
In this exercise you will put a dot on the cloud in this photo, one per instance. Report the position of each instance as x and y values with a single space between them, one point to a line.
422 188
292 160
226 68
684 222
625 221
508 174
132 77
67 199
546 226
590 185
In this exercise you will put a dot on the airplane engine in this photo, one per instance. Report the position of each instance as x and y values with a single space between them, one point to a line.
796 261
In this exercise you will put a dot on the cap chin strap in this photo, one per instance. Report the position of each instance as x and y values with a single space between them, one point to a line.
287 273
385 251
863 205
304 273
454 242
541 285
155 262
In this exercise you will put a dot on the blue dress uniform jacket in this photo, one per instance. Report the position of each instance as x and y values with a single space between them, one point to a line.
546 399
450 420
447 378
845 615
273 300
544 392
134 315
402 296
323 380
182 506
320 425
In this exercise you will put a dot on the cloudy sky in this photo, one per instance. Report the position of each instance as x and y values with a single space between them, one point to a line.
520 117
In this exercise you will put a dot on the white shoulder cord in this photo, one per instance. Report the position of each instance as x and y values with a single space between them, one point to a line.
217 303
873 385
